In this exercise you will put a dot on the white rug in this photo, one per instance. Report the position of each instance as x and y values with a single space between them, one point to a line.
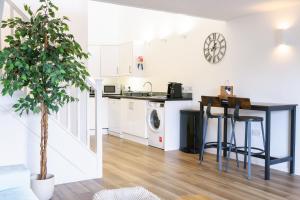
133 193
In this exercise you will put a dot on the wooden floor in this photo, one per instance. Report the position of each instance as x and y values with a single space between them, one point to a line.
176 175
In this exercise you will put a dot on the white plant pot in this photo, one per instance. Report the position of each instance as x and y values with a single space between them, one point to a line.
43 189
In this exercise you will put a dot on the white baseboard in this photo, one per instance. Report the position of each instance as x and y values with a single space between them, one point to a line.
114 134
136 139
104 131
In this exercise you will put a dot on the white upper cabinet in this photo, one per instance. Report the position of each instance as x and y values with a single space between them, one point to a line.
125 59
129 62
109 60
116 60
94 61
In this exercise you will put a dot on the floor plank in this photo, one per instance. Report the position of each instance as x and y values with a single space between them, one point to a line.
177 175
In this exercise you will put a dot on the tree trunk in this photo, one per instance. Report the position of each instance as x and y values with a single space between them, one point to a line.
44 133
44 140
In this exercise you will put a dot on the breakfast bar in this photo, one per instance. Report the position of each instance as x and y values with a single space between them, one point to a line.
268 108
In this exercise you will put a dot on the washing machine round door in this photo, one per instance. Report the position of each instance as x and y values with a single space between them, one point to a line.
154 120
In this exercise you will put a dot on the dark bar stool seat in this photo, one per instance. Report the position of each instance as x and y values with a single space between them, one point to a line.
244 103
215 102
249 118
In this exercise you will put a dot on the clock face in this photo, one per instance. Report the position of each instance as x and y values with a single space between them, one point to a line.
214 48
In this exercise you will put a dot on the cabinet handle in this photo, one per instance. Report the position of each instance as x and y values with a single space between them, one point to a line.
117 69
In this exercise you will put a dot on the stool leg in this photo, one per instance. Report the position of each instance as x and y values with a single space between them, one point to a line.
230 144
220 143
234 139
263 134
245 145
249 150
204 139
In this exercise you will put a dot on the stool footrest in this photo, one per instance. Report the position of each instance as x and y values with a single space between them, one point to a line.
209 145
241 150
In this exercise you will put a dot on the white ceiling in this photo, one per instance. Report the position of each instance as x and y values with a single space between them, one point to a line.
214 9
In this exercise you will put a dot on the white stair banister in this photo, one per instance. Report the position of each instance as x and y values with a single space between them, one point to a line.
75 127
98 99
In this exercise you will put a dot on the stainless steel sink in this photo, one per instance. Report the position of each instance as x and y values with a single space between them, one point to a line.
137 94
145 94
158 97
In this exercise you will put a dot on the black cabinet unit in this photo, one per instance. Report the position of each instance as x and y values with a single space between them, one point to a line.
189 131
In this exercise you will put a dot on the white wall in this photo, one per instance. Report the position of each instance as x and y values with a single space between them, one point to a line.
254 64
266 72
76 10
13 144
102 23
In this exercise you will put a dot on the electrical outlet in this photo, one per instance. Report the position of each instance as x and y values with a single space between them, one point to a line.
187 89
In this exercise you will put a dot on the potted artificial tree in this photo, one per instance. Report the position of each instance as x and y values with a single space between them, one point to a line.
42 56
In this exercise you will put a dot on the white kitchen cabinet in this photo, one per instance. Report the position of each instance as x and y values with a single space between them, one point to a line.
134 117
94 61
109 60
126 58
116 60
114 115
103 61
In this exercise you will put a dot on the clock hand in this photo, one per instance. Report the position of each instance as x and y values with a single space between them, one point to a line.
214 48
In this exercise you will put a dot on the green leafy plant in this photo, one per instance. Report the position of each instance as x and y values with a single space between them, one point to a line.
43 57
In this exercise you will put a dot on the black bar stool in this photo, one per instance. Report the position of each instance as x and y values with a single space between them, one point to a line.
215 102
244 103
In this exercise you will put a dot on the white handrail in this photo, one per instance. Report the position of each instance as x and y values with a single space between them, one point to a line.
16 9
91 82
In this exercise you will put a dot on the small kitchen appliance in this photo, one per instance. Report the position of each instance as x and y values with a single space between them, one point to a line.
111 89
174 90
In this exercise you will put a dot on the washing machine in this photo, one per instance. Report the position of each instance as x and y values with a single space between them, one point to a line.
155 124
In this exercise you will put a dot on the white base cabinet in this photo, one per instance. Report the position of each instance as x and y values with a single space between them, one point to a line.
114 115
134 113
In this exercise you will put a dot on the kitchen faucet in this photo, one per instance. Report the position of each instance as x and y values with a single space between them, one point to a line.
148 82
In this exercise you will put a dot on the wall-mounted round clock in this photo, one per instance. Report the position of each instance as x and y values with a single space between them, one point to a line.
214 48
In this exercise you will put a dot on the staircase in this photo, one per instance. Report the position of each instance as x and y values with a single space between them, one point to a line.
72 156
